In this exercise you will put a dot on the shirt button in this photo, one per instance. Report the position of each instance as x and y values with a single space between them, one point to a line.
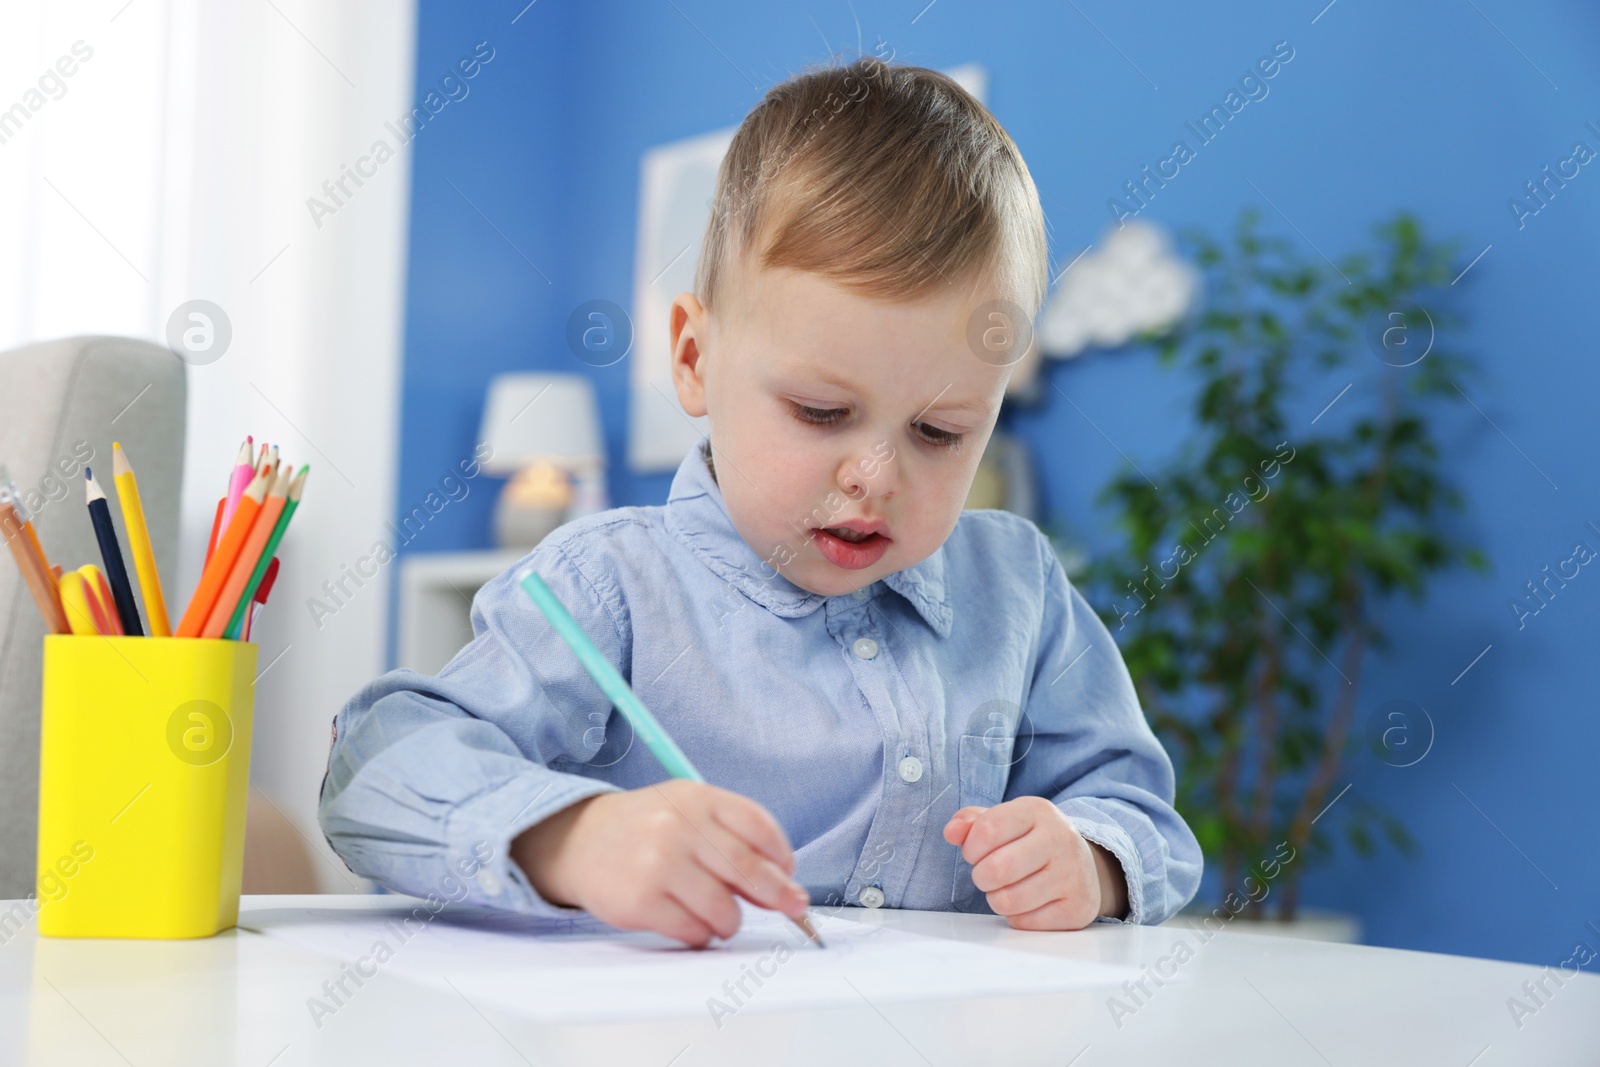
488 881
865 648
871 897
860 594
911 768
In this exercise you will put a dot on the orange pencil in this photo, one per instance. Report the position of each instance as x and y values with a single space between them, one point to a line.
35 572
50 569
244 566
33 537
216 571
216 526
8 492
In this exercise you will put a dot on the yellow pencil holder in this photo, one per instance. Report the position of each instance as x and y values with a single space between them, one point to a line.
144 774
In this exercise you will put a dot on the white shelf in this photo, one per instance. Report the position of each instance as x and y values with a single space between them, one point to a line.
436 591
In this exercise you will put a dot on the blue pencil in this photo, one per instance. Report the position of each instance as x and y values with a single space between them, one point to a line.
111 553
644 724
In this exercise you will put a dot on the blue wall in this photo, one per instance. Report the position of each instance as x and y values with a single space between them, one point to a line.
1411 106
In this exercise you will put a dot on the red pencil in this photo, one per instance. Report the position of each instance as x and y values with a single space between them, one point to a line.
261 596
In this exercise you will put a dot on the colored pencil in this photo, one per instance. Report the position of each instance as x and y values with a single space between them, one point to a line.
241 564
291 502
10 492
100 600
263 591
35 573
144 558
621 695
216 526
75 599
111 554
216 571
233 594
33 539
244 467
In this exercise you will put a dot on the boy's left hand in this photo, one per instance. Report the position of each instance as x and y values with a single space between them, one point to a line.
1035 868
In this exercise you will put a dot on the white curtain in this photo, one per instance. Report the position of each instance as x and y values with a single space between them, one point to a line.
154 152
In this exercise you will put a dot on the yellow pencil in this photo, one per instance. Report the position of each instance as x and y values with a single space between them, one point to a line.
144 560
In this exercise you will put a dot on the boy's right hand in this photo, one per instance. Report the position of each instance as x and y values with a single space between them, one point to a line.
668 857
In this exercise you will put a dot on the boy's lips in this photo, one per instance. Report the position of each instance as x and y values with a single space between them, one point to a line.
853 544
861 528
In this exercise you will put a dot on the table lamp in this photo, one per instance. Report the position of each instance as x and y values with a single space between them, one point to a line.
544 433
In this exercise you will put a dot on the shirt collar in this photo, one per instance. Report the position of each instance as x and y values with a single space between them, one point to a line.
697 516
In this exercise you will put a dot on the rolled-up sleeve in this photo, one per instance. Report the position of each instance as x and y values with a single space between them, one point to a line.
1085 744
430 778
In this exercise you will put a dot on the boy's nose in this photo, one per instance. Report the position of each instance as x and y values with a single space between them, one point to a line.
868 471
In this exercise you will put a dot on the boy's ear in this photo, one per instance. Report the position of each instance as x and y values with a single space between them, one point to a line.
688 326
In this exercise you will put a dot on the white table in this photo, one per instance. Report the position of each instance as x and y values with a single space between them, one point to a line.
241 998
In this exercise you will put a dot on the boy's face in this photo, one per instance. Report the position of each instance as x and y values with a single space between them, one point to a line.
830 409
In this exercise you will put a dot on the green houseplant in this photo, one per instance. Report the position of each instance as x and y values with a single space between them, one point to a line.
1245 594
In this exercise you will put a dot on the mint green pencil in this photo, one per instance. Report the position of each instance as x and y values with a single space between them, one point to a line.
644 724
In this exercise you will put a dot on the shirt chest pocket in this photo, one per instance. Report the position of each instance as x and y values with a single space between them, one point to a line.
983 765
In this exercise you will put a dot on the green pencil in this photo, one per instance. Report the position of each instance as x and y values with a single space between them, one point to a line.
644 724
296 487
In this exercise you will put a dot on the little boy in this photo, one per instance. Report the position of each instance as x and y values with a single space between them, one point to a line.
897 702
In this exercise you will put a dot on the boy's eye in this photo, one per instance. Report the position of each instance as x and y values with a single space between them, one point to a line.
824 416
817 416
934 435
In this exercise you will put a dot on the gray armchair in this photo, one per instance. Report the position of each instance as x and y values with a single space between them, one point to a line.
68 400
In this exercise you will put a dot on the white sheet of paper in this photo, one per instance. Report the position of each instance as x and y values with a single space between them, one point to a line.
581 970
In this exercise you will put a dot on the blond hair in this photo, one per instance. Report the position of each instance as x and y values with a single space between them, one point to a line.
889 180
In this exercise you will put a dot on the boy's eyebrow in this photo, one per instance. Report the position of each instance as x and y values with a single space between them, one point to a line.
971 407
827 378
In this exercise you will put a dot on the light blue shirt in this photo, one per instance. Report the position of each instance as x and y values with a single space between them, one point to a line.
861 721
